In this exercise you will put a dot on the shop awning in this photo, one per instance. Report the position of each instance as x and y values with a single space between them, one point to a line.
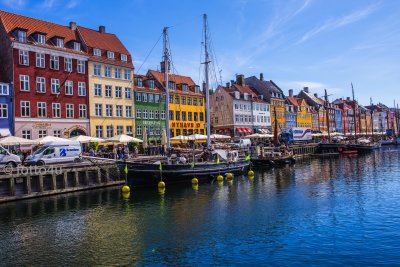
239 130
4 132
248 130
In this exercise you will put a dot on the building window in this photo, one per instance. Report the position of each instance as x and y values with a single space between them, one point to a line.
110 55
4 89
157 98
201 102
171 115
129 130
25 109
138 130
96 69
201 116
177 115
23 57
128 93
190 116
42 133
109 110
99 131
127 74
170 99
197 89
57 133
27 134
171 85
56 109
110 131
55 86
184 115
98 109
97 89
118 111
158 131
68 64
138 113
70 110
157 114
77 46
118 91
151 130
189 100
124 58
97 52
40 85
144 97
151 84
82 111
24 82
163 114
3 111
108 91
69 88
81 66
21 36
194 101
117 73
145 114
107 71
60 42
128 111
150 97
151 114
81 88
120 129
196 116
41 109
177 98
54 62
184 87
183 100
40 60
138 96
139 81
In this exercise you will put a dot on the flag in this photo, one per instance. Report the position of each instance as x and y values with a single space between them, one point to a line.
248 157
126 169
217 159
160 167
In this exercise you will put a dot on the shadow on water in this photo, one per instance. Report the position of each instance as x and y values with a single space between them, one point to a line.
316 212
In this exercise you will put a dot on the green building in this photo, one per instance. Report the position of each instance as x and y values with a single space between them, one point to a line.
149 109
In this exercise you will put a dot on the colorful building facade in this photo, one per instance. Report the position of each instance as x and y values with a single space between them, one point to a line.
6 110
110 71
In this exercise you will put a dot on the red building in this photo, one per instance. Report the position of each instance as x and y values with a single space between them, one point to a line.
48 67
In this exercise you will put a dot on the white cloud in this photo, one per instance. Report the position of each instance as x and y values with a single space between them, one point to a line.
72 4
340 22
48 4
17 4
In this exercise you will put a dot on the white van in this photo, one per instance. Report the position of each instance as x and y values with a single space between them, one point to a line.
242 143
8 159
56 152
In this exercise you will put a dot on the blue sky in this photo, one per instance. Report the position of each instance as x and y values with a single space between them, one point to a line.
316 43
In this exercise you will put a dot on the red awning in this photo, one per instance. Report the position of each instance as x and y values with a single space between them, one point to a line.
248 130
240 130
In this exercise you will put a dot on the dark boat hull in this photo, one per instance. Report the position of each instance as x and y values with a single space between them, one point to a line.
273 161
146 174
364 148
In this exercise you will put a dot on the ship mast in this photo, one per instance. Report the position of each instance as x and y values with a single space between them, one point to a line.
327 115
206 62
354 115
166 70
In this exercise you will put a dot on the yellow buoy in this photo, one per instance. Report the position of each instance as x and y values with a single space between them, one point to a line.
250 173
125 189
220 178
195 187
126 195
229 176
161 190
220 183
161 184
195 181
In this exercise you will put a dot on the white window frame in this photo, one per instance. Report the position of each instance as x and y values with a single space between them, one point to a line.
54 62
77 46
128 92
24 83
25 105
56 110
127 74
27 134
81 66
97 52
21 36
117 73
40 60
69 108
68 64
97 70
128 111
4 89
138 113
3 110
40 85
107 71
107 91
124 57
23 57
60 42
42 133
69 88
41 109
81 88
99 131
55 86
118 111
40 38
82 111
110 55
118 91
97 89
98 108
109 110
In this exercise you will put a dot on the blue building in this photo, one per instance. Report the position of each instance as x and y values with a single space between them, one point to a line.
338 119
6 110
290 115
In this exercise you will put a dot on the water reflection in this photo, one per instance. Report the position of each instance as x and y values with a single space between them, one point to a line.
319 211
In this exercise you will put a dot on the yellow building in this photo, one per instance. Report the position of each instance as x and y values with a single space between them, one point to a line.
278 106
303 113
186 104
111 107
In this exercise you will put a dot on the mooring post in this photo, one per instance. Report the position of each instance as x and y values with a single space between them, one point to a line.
76 183
41 183
28 187
12 186
54 181
65 180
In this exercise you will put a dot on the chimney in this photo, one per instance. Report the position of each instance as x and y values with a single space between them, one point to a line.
306 89
204 86
316 95
162 63
102 29
348 98
232 82
228 85
261 77
291 92
72 25
240 79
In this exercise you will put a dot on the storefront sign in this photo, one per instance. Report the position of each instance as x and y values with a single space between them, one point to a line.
41 125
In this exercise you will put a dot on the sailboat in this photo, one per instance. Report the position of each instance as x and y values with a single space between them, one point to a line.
151 173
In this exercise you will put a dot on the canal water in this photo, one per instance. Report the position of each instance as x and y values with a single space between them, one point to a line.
319 212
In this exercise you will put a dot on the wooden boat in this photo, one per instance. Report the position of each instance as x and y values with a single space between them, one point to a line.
271 156
366 147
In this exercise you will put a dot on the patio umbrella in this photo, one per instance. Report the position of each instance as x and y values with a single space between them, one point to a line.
164 138
198 137
86 139
219 136
123 138
50 138
13 140
145 144
259 136
182 138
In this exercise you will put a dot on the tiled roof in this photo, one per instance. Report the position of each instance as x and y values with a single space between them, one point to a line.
177 79
12 21
145 88
294 101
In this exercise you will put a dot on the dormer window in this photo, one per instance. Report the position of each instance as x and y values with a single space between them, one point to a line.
171 85
21 36
184 87
40 38
237 95
197 89
140 82
110 55
96 52
77 46
124 58
246 96
60 42
151 84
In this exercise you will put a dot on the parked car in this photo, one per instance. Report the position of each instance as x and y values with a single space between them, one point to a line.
8 159
56 152
242 143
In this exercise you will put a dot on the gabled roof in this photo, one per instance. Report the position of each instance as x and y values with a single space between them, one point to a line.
293 101
264 87
177 79
146 88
